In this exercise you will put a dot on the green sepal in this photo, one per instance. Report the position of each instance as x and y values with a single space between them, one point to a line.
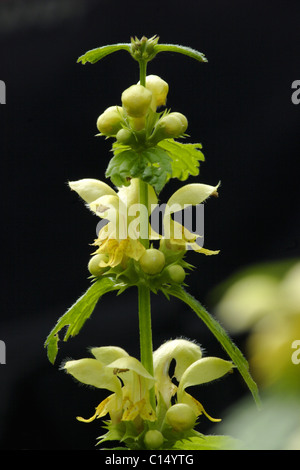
99 53
208 443
185 158
151 165
221 335
78 313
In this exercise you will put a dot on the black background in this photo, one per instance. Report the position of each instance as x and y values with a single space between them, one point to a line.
239 107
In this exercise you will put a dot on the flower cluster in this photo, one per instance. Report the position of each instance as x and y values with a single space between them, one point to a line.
136 123
137 421
119 242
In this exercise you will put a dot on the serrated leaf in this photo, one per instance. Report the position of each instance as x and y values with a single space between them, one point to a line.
152 165
208 443
76 316
221 335
193 53
98 53
185 158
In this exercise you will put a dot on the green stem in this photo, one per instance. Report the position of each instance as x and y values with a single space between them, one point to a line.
143 72
145 328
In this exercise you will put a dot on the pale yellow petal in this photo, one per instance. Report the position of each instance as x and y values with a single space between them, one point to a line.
196 406
108 354
91 189
92 372
202 250
190 194
131 364
107 207
202 371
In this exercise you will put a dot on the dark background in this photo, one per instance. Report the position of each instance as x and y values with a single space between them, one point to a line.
239 107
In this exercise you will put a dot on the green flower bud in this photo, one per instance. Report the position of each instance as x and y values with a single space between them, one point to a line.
109 122
95 262
176 273
124 136
152 261
170 126
153 439
181 417
136 100
183 120
173 124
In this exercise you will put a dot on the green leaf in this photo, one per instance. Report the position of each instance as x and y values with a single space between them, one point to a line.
220 334
98 53
152 165
184 158
76 316
193 53
208 443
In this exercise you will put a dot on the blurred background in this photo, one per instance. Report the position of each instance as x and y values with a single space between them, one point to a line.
238 106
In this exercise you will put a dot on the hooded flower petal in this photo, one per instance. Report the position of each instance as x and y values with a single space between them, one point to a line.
91 189
92 372
191 195
184 352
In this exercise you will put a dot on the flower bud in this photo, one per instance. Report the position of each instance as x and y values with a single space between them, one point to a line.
136 100
181 417
153 439
170 126
176 273
159 89
95 265
152 261
125 137
183 120
109 122
173 124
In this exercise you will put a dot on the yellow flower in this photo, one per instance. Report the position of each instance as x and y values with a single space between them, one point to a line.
119 239
176 236
130 399
191 369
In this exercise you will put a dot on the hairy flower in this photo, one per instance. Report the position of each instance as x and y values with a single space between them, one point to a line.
191 369
176 236
119 239
130 397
